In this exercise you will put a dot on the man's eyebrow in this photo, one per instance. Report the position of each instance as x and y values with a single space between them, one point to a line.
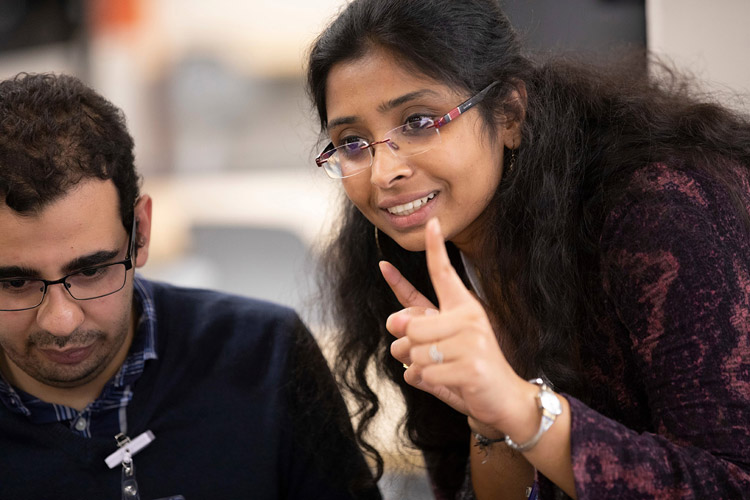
18 272
386 106
90 260
83 262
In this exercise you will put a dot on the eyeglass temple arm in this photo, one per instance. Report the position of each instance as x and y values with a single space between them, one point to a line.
463 107
319 160
132 250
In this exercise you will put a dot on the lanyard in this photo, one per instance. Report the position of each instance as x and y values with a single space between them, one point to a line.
123 456
126 448
128 484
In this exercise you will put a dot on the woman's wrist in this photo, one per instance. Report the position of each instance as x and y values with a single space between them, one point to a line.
550 407
523 425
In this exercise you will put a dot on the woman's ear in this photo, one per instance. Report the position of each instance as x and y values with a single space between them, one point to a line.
143 229
516 104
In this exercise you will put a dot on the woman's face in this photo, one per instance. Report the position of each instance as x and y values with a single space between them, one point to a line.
454 181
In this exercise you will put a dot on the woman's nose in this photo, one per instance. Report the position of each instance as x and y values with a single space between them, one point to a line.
387 168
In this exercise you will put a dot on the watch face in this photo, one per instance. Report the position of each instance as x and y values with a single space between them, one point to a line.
551 402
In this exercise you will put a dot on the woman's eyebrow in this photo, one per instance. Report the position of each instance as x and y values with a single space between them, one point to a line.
398 101
385 107
344 120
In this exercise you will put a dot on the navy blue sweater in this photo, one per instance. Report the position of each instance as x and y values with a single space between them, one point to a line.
242 406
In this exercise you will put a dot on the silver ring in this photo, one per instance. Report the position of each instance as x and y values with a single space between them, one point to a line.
436 355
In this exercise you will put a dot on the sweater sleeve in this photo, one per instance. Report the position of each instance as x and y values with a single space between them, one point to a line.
676 267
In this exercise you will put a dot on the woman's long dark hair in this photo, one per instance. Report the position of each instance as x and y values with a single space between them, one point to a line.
583 131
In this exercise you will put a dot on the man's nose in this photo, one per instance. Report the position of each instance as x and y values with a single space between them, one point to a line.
59 314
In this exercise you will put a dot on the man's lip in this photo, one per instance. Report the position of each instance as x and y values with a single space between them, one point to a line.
395 201
68 356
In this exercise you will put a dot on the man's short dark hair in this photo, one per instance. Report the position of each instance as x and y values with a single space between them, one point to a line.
56 132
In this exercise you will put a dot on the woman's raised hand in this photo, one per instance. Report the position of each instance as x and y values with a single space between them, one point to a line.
452 352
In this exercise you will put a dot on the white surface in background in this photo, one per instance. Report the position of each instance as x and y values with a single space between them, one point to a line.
709 39
298 202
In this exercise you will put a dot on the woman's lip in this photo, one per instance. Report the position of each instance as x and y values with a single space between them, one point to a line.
403 199
415 219
68 356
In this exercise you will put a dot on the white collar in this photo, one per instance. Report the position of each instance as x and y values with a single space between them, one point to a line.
471 273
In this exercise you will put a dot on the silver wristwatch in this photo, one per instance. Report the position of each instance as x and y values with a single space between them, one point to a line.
550 406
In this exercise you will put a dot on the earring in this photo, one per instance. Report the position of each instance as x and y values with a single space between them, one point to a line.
512 161
377 242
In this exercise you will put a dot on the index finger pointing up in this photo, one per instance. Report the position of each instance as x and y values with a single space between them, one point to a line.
448 286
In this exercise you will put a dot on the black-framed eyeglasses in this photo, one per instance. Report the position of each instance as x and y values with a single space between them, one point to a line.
410 139
19 294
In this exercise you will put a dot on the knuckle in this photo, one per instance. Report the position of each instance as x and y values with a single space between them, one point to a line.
395 350
412 296
445 269
478 371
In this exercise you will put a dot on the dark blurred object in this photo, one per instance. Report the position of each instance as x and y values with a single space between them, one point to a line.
30 23
592 27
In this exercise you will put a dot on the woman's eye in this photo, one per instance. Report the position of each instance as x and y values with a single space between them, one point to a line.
418 122
417 118
351 139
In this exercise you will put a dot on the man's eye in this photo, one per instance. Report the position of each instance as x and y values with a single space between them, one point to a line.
91 273
16 285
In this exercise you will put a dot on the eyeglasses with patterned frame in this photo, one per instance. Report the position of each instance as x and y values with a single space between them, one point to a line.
410 139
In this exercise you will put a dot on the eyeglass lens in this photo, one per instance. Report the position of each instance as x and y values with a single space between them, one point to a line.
409 139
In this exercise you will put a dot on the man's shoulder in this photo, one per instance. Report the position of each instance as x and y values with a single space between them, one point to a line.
197 310
207 300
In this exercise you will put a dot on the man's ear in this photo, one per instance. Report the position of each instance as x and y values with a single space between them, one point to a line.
143 229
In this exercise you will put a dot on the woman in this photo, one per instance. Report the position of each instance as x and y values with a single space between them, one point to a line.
586 328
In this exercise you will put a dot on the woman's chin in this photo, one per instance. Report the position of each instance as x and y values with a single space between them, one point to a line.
411 242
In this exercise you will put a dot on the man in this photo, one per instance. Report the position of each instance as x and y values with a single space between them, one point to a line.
116 387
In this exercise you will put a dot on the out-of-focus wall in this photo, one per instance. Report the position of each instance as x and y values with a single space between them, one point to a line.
710 40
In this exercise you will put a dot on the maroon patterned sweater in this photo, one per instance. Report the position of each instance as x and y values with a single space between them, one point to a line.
669 366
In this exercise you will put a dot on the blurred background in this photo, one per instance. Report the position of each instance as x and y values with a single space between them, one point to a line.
225 136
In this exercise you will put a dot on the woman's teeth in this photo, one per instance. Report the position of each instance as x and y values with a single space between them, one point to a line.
411 207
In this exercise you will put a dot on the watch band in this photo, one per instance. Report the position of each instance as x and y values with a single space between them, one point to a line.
550 406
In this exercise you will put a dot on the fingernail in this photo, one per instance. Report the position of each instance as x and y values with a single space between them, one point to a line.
431 312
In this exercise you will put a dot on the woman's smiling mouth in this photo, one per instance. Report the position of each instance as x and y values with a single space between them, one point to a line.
410 207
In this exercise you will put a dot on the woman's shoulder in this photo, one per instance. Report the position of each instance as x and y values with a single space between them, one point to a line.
715 187
669 205
697 181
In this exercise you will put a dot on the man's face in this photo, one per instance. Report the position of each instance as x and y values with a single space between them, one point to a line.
65 343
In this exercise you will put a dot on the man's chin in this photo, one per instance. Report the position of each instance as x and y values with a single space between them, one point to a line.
69 376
